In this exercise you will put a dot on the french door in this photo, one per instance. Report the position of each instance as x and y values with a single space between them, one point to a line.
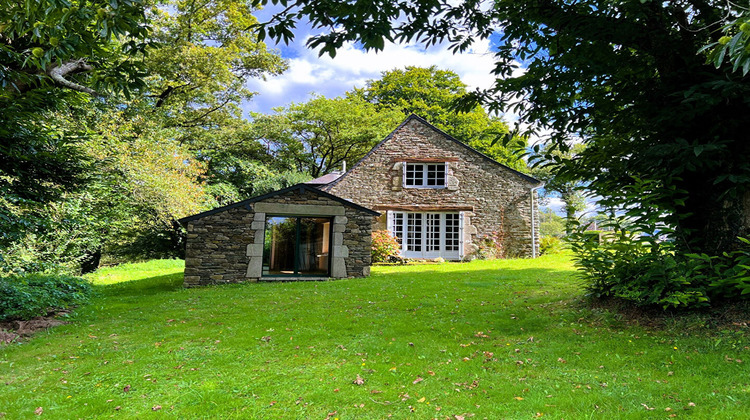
428 235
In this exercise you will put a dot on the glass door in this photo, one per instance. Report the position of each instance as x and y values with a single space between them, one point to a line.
297 246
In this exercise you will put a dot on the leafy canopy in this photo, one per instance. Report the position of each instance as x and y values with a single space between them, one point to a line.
318 136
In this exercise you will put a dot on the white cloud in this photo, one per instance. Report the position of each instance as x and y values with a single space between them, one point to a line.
352 67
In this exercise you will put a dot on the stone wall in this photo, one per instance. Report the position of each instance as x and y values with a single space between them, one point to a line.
227 246
492 197
216 247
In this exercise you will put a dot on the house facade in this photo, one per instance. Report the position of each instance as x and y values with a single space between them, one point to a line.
440 197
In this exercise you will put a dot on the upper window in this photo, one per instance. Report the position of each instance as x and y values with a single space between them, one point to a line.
425 175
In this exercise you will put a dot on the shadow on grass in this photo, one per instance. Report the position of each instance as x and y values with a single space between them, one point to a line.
142 287
481 277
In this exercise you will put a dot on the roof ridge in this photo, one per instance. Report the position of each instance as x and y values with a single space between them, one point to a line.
414 116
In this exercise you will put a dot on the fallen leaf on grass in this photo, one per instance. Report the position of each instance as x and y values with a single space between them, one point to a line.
375 391
126 389
156 408
118 408
421 400
518 398
39 411
418 380
358 381
647 407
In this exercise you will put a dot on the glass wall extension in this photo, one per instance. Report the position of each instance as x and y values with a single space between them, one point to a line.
297 246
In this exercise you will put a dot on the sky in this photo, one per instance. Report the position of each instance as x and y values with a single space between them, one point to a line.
310 74
352 67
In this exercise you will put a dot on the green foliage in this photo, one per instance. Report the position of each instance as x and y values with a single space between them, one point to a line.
546 165
734 45
32 295
84 179
637 267
39 36
550 245
550 224
384 246
317 136
432 94
197 77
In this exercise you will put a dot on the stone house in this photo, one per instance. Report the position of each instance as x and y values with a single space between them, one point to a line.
298 233
440 197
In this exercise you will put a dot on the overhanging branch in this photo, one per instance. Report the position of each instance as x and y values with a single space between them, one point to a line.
58 73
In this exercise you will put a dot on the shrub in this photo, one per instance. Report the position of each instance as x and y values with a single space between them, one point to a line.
32 295
384 246
550 245
641 270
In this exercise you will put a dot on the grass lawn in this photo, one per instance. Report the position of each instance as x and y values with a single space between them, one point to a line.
486 339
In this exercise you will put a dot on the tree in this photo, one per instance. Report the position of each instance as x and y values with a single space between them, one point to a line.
550 224
318 136
546 167
624 76
432 93
111 113
197 77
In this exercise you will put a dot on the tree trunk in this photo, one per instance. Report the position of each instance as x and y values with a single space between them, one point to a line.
714 218
91 261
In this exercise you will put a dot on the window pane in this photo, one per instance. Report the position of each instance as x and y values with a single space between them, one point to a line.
414 232
433 232
278 246
440 174
414 174
296 246
436 174
451 232
314 246
398 227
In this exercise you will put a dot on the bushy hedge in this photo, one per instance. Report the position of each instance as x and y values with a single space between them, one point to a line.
550 245
31 295
646 272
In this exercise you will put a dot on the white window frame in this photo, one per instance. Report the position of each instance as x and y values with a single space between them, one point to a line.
424 175
441 252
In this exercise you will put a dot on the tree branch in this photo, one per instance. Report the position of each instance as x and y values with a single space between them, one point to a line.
58 73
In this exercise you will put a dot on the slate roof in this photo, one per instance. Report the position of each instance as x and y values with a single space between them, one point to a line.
411 117
325 179
300 187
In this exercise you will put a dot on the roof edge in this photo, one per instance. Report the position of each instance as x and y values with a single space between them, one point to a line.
302 187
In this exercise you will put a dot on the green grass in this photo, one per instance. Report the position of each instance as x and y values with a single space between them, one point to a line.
493 339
